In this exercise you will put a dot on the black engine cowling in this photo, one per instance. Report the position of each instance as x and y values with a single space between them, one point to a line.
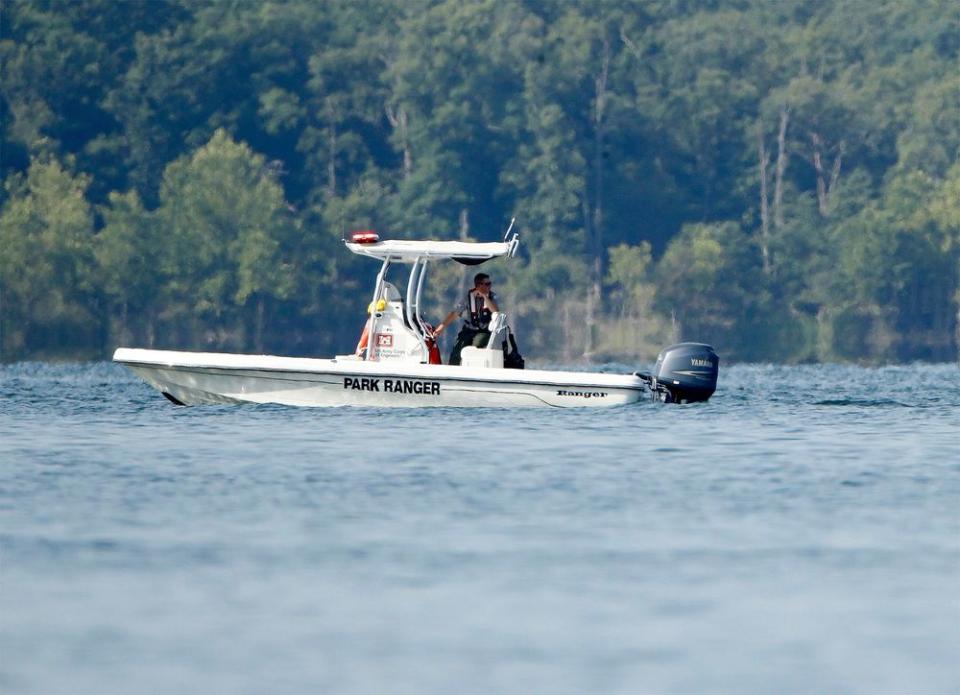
686 373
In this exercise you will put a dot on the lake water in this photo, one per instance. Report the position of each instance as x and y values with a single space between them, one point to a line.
799 533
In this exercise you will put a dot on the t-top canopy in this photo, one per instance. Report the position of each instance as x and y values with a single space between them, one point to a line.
466 252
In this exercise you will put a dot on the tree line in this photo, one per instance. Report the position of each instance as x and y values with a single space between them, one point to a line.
780 179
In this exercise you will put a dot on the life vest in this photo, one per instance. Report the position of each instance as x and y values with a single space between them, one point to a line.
364 339
478 314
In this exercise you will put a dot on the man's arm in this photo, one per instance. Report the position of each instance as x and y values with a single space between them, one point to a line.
451 317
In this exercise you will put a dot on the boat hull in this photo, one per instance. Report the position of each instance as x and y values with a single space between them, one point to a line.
194 378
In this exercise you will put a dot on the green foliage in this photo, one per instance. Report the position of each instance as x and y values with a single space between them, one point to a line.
633 327
778 178
46 261
225 230
894 292
931 142
127 251
702 280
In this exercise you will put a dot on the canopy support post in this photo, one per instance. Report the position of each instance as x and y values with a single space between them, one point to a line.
413 305
377 291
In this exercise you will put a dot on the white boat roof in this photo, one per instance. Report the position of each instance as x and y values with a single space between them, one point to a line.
409 251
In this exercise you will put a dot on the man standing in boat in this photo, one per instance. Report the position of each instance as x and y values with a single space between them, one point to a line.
480 306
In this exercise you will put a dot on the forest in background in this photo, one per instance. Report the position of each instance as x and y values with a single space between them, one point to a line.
780 179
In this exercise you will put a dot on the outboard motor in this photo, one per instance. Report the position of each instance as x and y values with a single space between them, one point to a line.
684 373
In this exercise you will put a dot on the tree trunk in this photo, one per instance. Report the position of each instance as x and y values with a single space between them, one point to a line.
465 281
398 119
825 186
123 322
331 160
835 170
258 328
764 204
783 158
595 229
956 338
590 308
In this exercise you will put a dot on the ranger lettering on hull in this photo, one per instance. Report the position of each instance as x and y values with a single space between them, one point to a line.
427 388
420 388
361 384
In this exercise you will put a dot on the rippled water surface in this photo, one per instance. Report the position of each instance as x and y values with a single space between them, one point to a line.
800 533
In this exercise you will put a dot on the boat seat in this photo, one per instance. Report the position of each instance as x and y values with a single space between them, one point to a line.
490 356
481 357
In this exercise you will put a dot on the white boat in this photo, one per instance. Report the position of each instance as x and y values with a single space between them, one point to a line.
395 369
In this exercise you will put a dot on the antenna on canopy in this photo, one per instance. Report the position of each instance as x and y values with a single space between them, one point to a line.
512 240
507 233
